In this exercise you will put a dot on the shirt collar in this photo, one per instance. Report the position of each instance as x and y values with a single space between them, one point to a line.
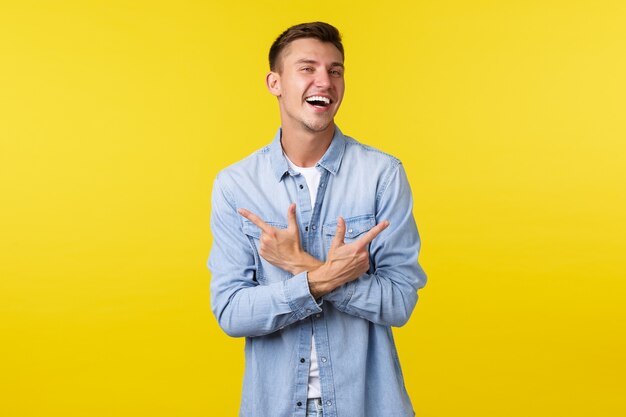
331 160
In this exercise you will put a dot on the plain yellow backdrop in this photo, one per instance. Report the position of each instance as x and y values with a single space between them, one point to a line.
116 116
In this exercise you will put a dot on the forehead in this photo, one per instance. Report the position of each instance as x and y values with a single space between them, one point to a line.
311 48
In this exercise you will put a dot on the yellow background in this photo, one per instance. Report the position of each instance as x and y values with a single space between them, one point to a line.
115 116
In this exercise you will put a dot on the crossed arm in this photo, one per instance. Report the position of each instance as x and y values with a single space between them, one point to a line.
344 262
386 296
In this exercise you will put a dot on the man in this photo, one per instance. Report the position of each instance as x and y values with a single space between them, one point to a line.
315 251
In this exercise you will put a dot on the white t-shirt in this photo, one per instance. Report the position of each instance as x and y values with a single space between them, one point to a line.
312 176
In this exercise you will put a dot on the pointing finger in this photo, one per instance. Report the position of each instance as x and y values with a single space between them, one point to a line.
255 219
373 232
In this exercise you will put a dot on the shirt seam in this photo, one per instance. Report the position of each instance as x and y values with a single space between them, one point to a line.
395 166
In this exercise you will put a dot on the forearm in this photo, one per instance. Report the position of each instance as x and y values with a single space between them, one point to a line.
323 279
261 309
304 262
380 298
242 304
387 293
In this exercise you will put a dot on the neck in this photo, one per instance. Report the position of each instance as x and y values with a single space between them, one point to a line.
304 148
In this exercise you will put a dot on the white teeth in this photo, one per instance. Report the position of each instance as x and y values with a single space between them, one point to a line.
318 98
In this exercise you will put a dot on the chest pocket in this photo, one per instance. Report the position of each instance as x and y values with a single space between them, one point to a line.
355 227
266 273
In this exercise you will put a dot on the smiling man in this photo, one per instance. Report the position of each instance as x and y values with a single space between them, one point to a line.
315 251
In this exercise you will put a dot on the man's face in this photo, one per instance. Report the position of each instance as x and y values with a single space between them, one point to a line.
310 84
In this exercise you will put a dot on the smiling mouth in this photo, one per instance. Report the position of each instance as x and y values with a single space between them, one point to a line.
318 101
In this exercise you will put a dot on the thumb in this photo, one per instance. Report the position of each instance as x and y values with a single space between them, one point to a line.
339 234
291 217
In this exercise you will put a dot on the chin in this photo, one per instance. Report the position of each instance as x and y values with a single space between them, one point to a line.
317 126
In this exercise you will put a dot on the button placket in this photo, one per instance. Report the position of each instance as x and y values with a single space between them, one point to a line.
324 359
304 209
314 240
304 213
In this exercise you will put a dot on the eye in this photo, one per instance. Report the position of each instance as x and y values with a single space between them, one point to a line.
307 69
336 73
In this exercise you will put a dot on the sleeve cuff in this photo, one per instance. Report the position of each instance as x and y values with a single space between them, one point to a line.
297 294
341 296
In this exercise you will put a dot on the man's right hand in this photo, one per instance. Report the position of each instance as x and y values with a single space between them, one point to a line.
344 262
282 247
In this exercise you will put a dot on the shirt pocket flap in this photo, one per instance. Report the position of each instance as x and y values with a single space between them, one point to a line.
355 226
251 229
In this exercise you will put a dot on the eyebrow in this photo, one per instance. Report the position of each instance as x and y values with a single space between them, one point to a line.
312 61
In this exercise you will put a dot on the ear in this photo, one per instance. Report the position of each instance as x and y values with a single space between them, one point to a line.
272 81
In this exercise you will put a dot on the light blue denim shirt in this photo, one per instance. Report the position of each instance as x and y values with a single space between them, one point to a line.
360 373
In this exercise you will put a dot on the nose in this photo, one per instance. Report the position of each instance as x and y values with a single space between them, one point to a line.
322 79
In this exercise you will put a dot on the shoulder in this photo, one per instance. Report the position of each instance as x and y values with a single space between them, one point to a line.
246 168
363 159
367 167
356 149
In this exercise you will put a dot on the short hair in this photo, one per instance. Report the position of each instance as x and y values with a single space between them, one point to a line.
316 30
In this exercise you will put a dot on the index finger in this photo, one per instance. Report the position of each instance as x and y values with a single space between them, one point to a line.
255 219
373 232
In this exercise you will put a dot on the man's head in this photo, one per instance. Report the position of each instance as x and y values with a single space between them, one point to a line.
306 75
321 31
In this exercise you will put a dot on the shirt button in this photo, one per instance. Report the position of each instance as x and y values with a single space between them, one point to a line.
301 186
329 402
299 404
324 359
313 227
318 315
302 360
349 230
308 310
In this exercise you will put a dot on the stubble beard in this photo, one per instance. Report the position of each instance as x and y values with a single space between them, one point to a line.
317 124
316 127
311 123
